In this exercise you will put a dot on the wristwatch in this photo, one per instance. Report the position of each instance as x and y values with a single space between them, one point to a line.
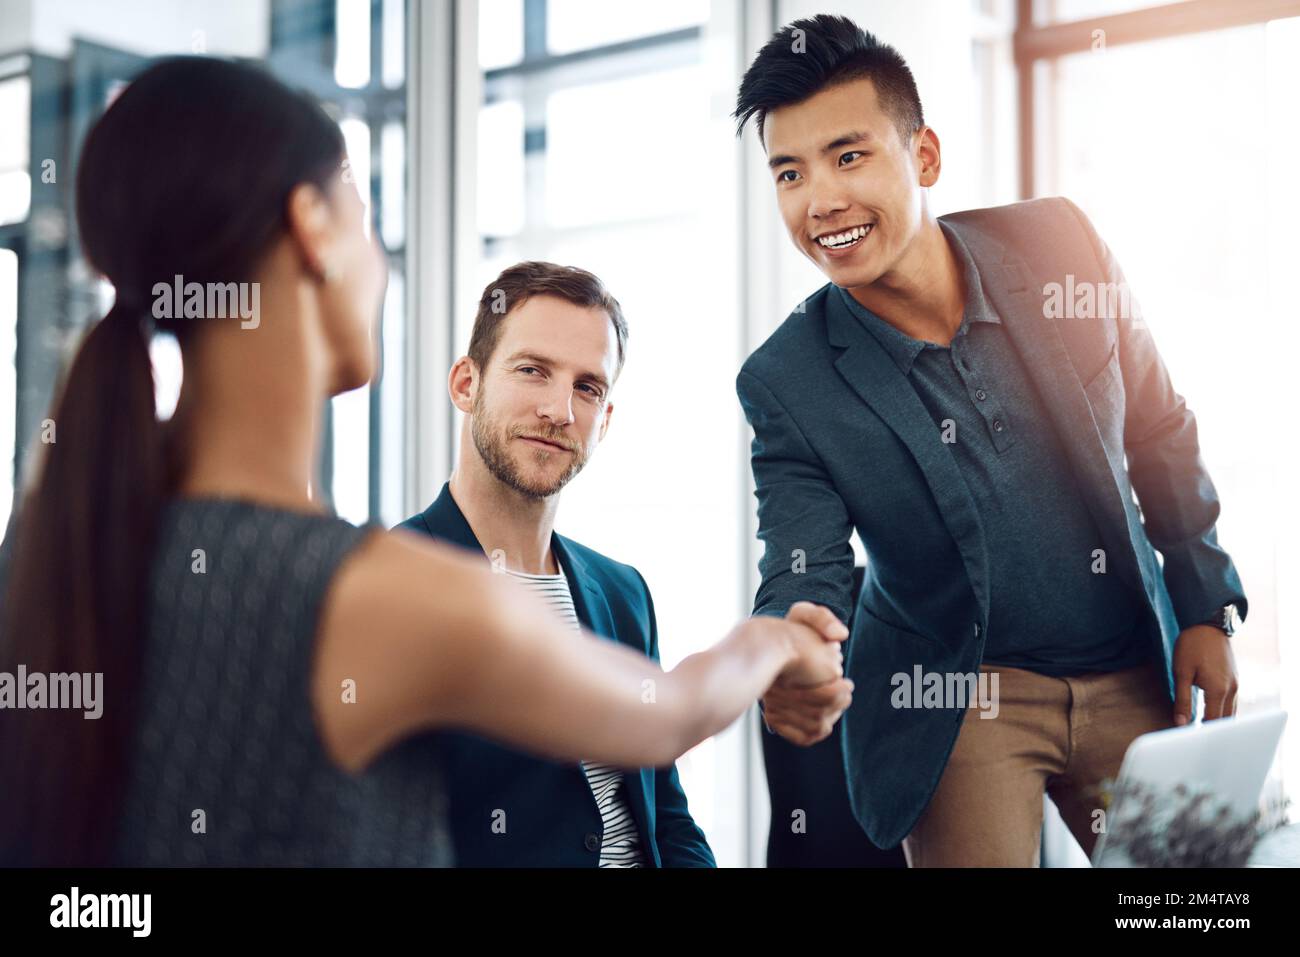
1226 619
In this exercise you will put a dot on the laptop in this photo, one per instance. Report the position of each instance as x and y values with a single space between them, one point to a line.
1229 758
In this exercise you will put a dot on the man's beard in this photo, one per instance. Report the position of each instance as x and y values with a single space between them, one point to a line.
492 443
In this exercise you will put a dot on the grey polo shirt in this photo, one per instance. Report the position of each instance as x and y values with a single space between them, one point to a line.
1050 610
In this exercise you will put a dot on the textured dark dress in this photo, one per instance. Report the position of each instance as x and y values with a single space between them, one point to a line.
228 768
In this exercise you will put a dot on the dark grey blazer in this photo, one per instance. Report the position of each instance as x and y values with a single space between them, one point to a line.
842 442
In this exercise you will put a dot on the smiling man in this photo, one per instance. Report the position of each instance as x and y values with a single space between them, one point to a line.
548 343
991 457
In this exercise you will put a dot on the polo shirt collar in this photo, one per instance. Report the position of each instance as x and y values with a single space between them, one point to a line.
904 349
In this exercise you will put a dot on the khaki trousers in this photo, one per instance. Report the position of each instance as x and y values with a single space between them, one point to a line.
1062 736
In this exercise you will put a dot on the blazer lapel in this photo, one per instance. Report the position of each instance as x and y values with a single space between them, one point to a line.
589 601
1010 285
881 384
592 608
444 519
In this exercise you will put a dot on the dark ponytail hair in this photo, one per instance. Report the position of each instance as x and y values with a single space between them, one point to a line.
187 173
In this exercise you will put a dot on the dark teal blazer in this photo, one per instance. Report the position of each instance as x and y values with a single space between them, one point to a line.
842 442
549 812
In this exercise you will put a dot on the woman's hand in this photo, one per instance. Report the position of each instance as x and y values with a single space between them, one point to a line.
817 641
798 706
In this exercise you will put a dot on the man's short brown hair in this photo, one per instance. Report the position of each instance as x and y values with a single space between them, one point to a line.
520 282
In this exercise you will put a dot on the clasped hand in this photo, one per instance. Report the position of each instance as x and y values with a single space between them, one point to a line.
809 696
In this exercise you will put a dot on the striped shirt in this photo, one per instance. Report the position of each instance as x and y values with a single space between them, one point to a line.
620 845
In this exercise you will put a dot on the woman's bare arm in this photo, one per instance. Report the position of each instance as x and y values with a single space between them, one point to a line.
431 638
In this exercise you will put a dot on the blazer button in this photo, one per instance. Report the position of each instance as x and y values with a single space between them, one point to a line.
592 842
977 629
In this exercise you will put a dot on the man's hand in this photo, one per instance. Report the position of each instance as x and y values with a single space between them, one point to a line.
1203 657
802 713
806 715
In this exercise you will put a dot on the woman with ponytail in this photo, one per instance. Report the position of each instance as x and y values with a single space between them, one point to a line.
268 670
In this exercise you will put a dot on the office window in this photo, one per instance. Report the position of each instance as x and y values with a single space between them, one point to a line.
623 174
15 178
8 378
1180 150
501 33
350 54
352 43
582 24
1059 11
501 169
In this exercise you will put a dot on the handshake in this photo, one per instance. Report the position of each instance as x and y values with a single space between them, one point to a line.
809 695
